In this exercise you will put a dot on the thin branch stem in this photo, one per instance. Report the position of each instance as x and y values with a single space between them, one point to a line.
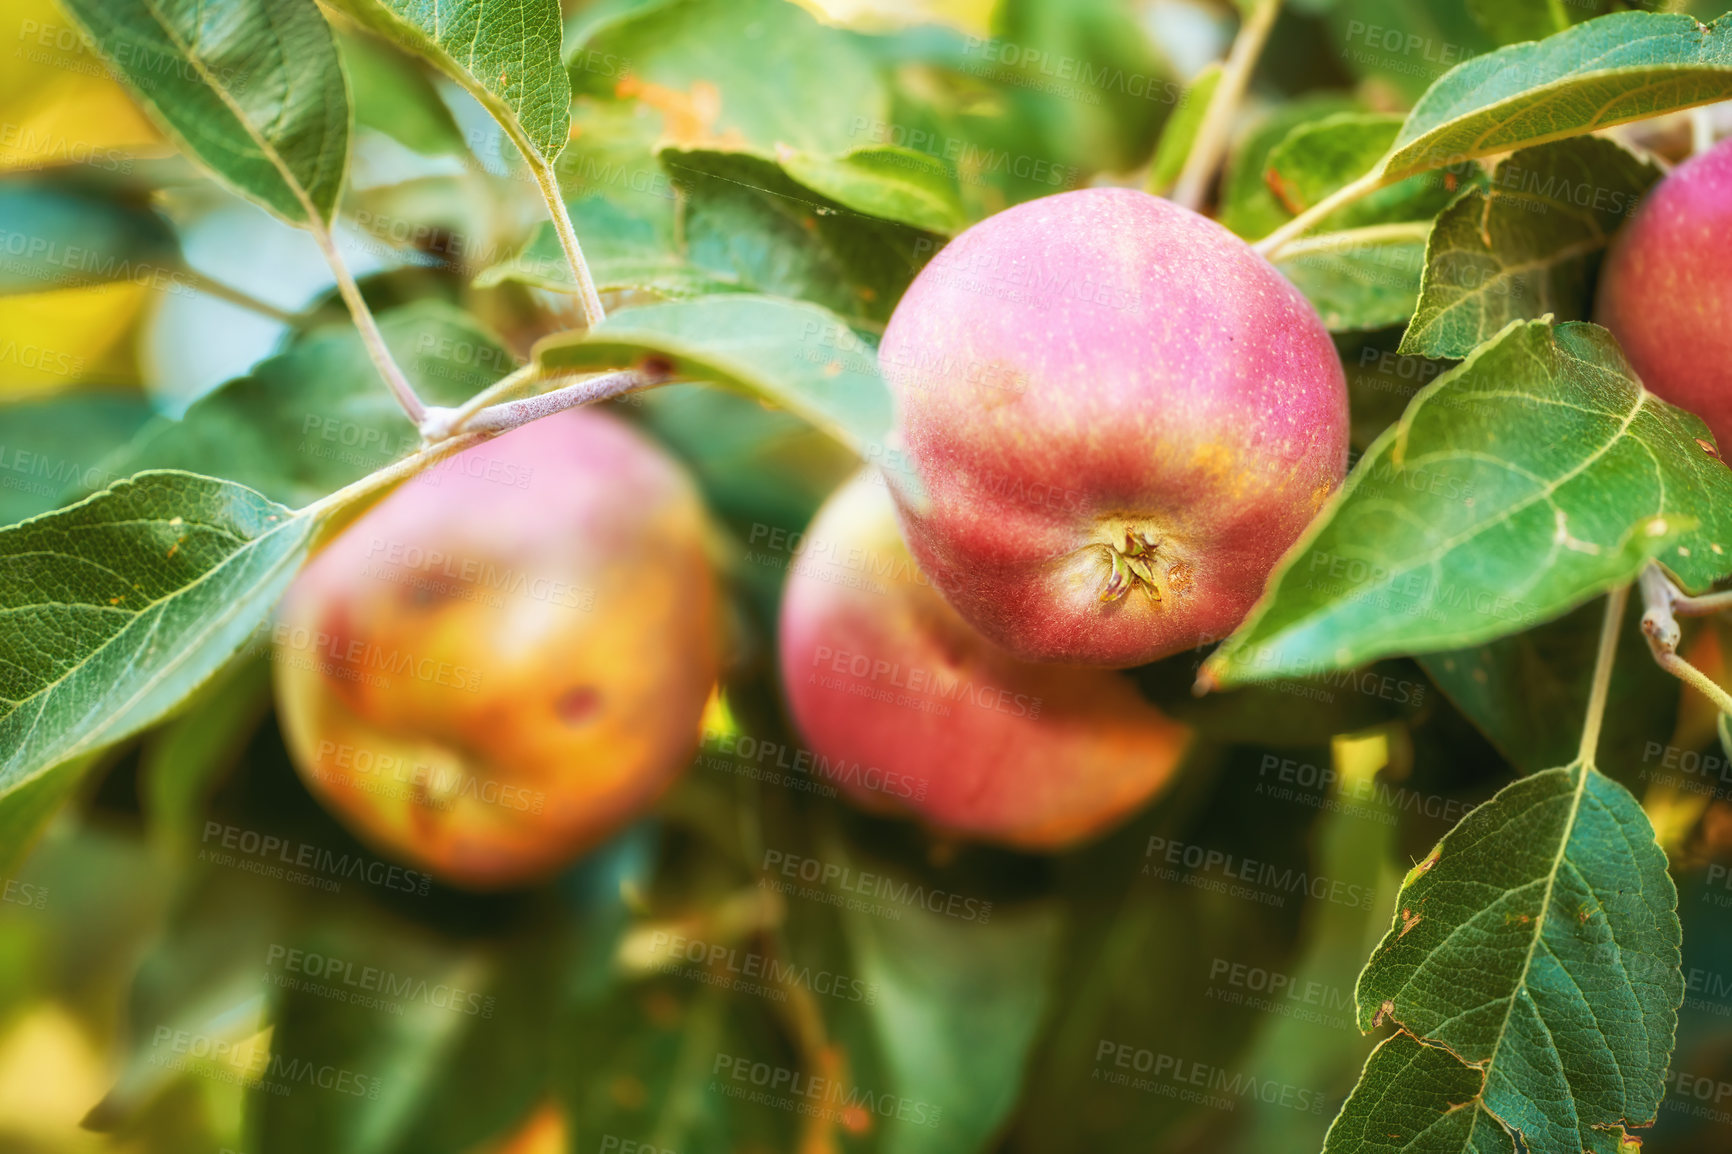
391 474
1349 238
369 328
440 421
1616 600
503 418
1204 159
1703 606
199 282
587 297
1305 221
1663 601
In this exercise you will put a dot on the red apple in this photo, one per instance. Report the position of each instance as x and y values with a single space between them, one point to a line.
1120 416
909 710
506 659
1666 289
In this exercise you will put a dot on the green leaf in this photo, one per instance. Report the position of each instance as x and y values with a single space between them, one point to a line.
315 418
252 88
51 448
1504 685
185 759
1409 1101
1248 204
394 96
728 71
1526 246
957 1009
1619 68
748 223
794 355
1512 21
1534 476
65 234
1359 279
629 244
121 605
506 53
1538 943
1180 131
1317 158
891 183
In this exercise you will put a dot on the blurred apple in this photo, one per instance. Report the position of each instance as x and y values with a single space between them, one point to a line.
506 659
912 711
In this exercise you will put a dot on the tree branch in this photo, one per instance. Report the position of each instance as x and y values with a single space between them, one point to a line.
1602 683
1340 198
1191 189
588 299
1662 602
369 328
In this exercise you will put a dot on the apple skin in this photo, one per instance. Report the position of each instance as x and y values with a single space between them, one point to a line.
1666 289
506 659
1101 363
882 674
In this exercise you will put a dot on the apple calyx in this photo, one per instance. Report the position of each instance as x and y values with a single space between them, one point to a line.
1134 562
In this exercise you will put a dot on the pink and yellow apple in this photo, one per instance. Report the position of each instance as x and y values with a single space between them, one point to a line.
506 659
1666 289
1119 416
917 713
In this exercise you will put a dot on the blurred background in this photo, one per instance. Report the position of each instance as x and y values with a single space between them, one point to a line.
1118 996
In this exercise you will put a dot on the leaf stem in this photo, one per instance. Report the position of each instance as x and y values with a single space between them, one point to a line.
209 286
1616 600
587 297
369 328
1340 198
503 418
1204 159
1663 601
391 474
1349 238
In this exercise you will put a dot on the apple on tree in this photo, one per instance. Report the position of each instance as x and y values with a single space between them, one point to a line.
1666 289
882 674
1120 416
488 674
